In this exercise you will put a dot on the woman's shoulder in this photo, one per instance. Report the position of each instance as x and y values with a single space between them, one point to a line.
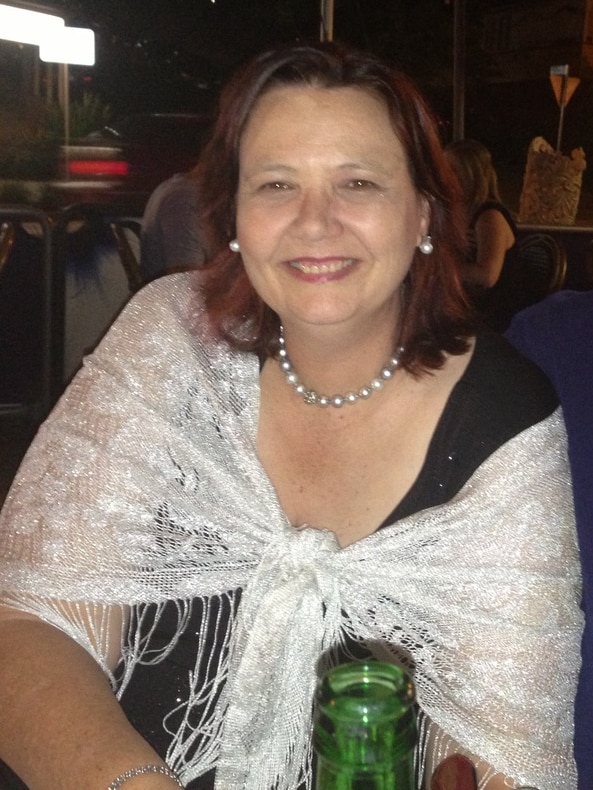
171 299
165 291
499 395
494 205
503 383
165 316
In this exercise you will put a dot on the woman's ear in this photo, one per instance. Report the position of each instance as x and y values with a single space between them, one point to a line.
425 215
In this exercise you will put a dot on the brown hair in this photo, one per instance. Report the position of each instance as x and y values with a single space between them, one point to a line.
435 316
472 164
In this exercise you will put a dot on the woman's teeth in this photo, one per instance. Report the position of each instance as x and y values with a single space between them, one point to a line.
322 268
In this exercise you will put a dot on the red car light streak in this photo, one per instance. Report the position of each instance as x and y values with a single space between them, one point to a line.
98 167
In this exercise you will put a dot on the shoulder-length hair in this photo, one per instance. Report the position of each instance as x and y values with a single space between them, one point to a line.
435 315
473 166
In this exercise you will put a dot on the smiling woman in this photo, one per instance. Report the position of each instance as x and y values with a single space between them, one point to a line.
361 176
327 216
301 454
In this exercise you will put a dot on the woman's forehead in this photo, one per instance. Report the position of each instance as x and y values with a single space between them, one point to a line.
321 112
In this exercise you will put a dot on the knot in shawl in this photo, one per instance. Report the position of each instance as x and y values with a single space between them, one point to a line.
290 614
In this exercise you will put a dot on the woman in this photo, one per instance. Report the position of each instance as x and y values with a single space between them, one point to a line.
298 455
493 255
492 229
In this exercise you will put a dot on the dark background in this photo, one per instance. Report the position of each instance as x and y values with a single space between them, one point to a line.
173 54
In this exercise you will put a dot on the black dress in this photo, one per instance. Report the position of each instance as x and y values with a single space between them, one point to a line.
499 303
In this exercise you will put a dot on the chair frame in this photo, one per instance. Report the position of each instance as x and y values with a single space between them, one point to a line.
558 252
127 257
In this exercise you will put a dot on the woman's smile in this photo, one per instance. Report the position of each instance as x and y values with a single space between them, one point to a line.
322 269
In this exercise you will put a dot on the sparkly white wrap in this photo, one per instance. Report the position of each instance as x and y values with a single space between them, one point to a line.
144 486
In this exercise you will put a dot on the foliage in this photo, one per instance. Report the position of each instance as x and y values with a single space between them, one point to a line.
32 153
88 114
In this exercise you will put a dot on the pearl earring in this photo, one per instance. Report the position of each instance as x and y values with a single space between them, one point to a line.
426 245
234 245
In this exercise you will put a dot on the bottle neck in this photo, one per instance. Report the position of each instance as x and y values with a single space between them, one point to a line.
398 776
365 729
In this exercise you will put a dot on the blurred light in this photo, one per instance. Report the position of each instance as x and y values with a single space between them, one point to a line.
98 167
74 45
27 27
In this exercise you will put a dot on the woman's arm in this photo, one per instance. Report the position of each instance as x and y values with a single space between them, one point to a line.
86 480
493 237
61 726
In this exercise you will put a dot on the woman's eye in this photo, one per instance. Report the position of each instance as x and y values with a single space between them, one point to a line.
361 184
275 186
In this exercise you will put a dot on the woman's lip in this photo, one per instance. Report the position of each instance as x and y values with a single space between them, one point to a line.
317 266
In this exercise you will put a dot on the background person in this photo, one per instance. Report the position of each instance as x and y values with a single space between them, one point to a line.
171 238
557 334
491 230
300 454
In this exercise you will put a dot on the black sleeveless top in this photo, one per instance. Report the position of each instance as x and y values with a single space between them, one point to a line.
497 305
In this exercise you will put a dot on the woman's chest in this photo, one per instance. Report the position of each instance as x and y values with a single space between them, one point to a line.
346 476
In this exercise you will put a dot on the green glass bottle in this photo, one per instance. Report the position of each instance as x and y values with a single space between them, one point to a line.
365 728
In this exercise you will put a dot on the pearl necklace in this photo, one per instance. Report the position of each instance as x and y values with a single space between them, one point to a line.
312 397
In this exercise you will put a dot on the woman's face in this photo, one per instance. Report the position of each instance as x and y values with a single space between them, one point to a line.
327 216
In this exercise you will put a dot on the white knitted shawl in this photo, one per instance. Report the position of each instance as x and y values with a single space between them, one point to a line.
144 486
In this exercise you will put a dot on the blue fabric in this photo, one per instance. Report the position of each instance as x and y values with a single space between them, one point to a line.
557 334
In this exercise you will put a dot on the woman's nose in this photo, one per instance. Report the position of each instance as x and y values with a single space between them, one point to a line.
316 216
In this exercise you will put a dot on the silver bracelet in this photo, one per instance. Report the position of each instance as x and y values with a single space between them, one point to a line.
144 769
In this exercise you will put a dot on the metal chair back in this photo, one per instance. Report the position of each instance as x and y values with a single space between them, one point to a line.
127 237
542 267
